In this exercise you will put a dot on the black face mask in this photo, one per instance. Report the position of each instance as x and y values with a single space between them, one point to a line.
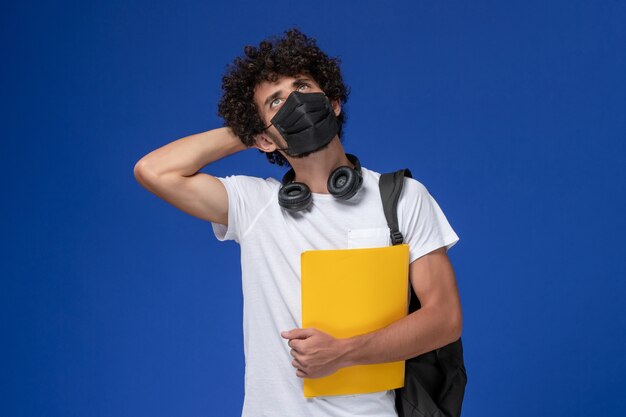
306 121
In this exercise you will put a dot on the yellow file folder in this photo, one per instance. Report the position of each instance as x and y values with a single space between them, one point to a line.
347 292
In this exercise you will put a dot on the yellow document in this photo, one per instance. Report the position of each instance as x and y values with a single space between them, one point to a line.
347 292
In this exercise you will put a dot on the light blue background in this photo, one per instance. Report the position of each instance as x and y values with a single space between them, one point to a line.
513 114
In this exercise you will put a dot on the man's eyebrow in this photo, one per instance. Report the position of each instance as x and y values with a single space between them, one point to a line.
276 94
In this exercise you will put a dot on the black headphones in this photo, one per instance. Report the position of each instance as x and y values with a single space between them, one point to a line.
343 183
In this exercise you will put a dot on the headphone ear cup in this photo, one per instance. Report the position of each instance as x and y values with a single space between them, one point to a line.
344 182
294 196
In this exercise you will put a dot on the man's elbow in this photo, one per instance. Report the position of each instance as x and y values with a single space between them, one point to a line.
138 171
143 173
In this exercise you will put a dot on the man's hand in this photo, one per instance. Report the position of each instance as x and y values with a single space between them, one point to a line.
316 354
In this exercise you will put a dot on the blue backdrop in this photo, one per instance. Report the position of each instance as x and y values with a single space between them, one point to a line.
513 114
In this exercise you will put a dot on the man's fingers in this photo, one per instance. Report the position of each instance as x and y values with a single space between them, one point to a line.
298 333
294 344
296 364
296 337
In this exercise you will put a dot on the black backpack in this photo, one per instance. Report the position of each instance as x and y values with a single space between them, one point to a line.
434 382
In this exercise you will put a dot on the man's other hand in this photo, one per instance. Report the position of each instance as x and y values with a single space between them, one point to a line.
315 353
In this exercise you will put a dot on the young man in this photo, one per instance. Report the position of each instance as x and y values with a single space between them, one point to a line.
285 99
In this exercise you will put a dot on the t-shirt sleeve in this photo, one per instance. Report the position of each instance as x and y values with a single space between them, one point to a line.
422 222
247 198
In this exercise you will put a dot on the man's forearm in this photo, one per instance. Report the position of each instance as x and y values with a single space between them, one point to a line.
187 155
419 332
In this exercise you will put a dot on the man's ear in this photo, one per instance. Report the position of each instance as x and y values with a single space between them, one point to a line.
262 142
336 106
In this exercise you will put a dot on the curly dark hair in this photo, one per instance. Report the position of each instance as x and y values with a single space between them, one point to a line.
294 53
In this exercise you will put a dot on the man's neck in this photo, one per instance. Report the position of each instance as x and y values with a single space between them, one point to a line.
314 169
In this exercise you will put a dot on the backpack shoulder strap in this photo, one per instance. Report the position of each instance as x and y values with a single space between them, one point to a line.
390 185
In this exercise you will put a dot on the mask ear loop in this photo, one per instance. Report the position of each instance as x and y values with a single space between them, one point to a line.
277 148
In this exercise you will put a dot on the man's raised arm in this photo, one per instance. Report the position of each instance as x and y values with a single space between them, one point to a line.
171 173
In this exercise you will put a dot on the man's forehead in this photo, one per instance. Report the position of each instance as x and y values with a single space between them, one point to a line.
266 87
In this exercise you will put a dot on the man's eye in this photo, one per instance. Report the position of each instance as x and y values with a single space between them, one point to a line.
276 101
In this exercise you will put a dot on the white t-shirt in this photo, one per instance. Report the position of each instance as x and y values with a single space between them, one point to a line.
271 241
